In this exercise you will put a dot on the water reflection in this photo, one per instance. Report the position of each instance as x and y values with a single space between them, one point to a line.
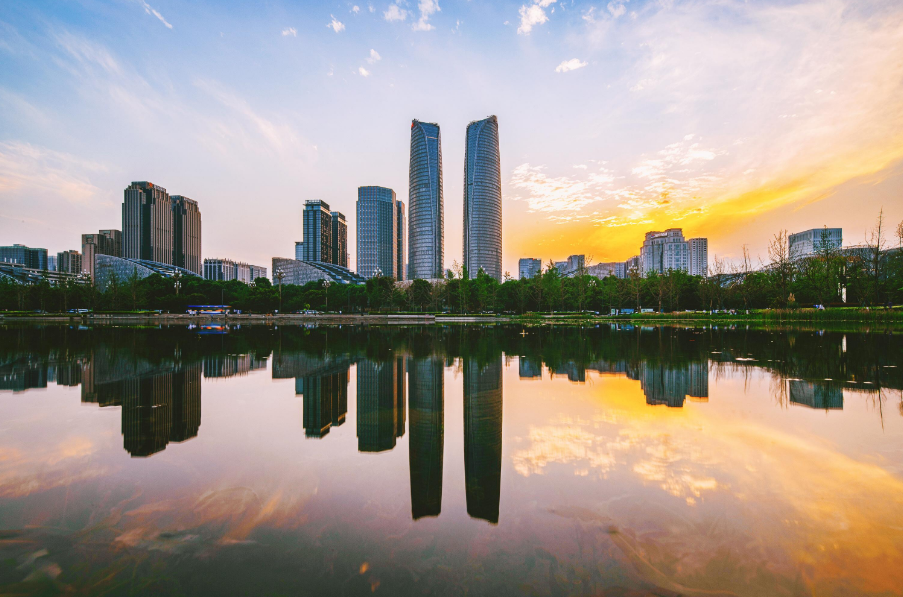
613 477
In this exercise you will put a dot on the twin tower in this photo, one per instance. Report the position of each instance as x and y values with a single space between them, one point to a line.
482 201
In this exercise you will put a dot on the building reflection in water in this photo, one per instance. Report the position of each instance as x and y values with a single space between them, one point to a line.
325 401
426 424
663 384
380 397
483 438
159 409
824 395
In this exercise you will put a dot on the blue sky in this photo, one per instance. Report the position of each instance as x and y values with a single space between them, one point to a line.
730 119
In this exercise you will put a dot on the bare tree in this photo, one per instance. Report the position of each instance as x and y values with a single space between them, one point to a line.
782 267
876 244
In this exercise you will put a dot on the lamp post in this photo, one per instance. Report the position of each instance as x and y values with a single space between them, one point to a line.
177 282
280 275
326 284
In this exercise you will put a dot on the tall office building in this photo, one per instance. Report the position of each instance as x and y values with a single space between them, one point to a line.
105 242
528 267
26 256
147 231
377 232
699 257
317 231
426 230
483 199
426 428
186 229
339 239
483 438
401 240
69 262
112 242
663 251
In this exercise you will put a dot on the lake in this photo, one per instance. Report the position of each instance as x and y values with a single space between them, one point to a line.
613 460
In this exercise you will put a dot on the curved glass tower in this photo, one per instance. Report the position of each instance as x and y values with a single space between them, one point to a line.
483 199
426 232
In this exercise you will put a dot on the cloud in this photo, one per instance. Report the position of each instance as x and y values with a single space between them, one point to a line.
569 65
552 194
394 13
427 9
531 16
290 31
355 9
363 72
335 24
374 56
151 11
30 171
370 7
589 16
616 9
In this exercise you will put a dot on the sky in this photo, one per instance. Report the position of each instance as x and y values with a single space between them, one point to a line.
732 120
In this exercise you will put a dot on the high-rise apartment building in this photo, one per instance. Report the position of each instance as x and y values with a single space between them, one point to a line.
105 242
339 239
69 262
147 223
317 231
377 232
186 227
483 199
528 267
400 240
30 257
699 257
227 269
663 251
426 230
807 243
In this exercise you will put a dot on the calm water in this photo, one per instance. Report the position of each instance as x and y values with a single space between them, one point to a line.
450 460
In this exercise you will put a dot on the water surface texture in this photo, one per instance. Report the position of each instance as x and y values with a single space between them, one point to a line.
495 460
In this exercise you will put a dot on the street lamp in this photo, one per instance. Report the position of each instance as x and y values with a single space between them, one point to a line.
280 275
177 281
326 284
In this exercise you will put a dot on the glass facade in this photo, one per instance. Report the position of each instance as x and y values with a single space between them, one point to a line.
317 231
426 232
483 199
528 267
401 238
377 232
186 222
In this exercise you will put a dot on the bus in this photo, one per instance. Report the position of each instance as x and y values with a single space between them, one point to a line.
209 309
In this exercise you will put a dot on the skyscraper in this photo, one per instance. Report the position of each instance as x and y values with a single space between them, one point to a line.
699 257
317 231
483 199
426 231
401 240
69 262
377 234
339 239
186 228
147 231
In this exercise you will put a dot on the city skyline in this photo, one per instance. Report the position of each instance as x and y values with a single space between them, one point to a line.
686 127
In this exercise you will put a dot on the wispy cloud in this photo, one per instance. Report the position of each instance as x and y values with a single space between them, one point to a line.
616 9
569 65
355 9
374 56
532 15
151 11
363 72
427 9
335 24
31 171
290 31
395 13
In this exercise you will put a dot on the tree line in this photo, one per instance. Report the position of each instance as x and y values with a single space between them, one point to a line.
870 275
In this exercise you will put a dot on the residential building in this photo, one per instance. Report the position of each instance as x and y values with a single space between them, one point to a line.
186 228
618 269
377 232
699 257
426 230
633 264
147 227
317 231
29 257
69 262
663 251
105 242
227 269
807 243
528 267
339 239
51 263
483 199
401 240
